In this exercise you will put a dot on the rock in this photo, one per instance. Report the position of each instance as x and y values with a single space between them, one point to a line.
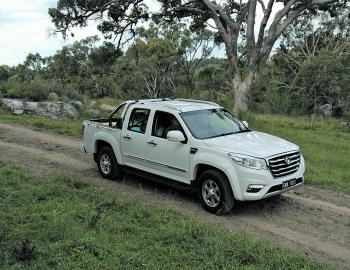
94 113
325 110
70 111
55 110
53 97
18 112
65 99
105 107
77 104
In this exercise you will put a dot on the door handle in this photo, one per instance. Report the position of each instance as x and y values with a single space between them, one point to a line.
127 137
152 143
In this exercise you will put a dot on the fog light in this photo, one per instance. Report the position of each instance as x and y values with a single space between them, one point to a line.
255 188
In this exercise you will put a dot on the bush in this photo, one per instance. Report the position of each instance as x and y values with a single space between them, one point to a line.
33 91
247 116
39 90
225 100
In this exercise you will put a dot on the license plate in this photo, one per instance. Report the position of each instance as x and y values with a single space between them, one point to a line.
292 182
289 183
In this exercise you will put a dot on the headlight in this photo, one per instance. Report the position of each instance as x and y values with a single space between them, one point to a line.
248 161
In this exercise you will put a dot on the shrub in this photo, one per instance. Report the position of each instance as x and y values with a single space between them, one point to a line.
33 91
247 116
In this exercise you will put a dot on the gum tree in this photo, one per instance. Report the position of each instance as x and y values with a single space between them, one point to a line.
233 20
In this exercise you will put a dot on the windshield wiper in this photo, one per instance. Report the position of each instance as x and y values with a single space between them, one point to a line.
243 130
223 134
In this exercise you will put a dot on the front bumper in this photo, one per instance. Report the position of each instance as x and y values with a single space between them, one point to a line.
243 177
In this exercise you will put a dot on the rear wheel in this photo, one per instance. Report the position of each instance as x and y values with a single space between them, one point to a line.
215 192
107 163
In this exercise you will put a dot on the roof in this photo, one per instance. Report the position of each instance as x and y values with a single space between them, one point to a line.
183 105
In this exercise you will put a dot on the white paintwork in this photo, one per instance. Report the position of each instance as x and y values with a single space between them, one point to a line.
175 136
172 159
256 144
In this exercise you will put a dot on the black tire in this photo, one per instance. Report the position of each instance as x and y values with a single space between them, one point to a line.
218 181
107 153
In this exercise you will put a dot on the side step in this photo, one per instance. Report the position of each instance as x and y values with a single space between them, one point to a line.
158 179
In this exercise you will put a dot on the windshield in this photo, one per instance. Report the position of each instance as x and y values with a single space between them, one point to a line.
205 124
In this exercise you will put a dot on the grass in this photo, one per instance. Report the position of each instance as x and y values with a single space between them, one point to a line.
65 223
68 127
325 147
108 101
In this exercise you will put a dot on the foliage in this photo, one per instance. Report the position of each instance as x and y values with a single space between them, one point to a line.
212 78
4 73
321 81
70 223
191 47
148 68
34 91
309 68
232 21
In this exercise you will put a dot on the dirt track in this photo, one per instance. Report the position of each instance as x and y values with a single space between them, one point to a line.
313 222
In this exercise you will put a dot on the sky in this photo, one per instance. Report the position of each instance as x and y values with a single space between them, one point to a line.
25 28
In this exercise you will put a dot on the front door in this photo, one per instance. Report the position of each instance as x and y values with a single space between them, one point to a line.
166 158
134 140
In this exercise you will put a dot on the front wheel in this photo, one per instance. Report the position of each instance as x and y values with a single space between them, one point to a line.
215 192
107 163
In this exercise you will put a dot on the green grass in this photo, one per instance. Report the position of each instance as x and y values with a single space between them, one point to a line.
326 147
68 127
66 223
109 101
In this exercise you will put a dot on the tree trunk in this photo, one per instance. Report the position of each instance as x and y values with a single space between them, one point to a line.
241 90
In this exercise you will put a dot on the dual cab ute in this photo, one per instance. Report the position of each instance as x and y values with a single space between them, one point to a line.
194 144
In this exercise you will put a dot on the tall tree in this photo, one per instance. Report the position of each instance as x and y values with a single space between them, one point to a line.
149 68
233 20
66 63
4 73
192 47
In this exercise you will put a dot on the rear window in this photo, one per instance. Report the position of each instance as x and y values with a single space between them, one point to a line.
138 120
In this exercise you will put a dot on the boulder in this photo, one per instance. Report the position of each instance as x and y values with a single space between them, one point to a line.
18 112
65 99
53 97
94 113
325 110
77 104
107 108
55 110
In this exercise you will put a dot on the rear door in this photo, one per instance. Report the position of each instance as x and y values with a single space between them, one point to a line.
134 138
166 158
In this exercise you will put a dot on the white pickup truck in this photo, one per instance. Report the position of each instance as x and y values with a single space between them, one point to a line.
194 144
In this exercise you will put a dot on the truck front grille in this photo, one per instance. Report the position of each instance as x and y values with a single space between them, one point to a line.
284 164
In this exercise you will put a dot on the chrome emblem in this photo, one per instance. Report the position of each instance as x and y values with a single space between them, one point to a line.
287 160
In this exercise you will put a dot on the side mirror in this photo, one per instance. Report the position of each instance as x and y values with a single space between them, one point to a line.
245 123
175 136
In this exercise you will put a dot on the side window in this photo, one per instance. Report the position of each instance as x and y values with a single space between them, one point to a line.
138 120
163 123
